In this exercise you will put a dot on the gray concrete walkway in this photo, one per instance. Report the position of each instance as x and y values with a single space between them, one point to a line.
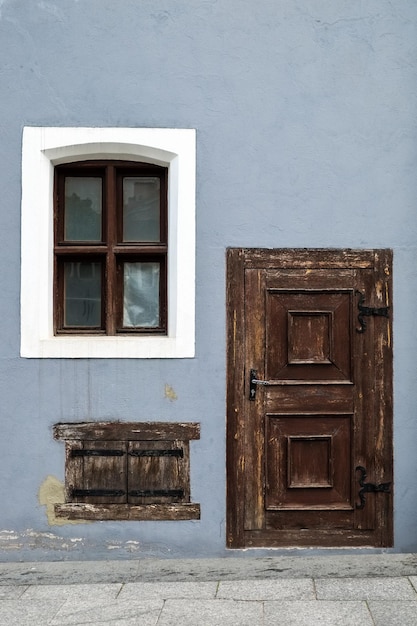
366 590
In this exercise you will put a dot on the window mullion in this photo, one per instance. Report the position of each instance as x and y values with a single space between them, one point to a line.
111 236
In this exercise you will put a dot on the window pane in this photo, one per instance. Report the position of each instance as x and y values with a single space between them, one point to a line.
141 209
82 294
141 295
83 209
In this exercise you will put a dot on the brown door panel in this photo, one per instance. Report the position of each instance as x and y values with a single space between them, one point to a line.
309 397
310 456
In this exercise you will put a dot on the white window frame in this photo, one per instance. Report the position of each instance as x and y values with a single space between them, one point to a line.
45 147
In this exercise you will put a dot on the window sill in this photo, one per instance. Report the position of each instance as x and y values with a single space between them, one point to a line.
123 512
100 347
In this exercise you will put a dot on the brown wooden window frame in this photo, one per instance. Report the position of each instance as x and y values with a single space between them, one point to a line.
127 471
111 251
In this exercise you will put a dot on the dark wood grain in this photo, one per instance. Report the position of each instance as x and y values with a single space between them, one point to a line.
327 405
131 470
123 512
127 431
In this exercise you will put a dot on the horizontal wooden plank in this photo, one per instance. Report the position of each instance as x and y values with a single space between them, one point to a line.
296 538
141 248
103 512
86 249
309 398
263 258
326 280
317 520
100 249
127 431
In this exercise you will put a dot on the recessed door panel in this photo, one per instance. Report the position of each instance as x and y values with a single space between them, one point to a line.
308 335
311 456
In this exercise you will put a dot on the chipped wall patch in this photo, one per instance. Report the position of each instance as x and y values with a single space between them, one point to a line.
9 540
37 540
170 393
52 492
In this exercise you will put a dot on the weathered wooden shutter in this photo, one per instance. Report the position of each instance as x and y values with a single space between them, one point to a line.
126 471
157 472
96 472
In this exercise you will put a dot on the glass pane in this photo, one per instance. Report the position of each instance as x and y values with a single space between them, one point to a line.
83 208
141 295
82 294
141 209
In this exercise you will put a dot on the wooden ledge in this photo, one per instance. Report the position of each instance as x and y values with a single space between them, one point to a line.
127 431
115 512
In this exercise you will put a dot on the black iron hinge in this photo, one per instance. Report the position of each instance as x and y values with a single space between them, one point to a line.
369 487
367 311
75 452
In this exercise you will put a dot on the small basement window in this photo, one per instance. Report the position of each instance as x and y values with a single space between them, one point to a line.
127 471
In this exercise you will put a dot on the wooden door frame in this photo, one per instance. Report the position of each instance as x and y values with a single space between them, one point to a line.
239 259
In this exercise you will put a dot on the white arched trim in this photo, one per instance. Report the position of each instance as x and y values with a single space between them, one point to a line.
43 148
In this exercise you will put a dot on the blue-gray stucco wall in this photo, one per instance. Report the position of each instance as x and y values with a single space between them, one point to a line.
306 119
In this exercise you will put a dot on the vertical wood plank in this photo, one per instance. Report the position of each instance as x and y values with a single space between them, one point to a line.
384 396
364 367
74 469
104 472
235 465
155 473
255 410
111 289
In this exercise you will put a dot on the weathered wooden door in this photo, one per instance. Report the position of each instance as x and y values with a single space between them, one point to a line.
309 398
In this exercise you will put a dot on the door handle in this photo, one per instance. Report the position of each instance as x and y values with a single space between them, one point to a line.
254 382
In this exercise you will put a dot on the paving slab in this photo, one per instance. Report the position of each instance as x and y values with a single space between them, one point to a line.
394 613
143 612
413 581
168 590
317 613
74 593
37 612
12 592
236 567
365 589
211 613
284 589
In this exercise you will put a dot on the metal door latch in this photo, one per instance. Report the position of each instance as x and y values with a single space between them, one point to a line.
367 311
253 382
369 487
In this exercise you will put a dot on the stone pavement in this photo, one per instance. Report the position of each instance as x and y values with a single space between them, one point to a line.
363 590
